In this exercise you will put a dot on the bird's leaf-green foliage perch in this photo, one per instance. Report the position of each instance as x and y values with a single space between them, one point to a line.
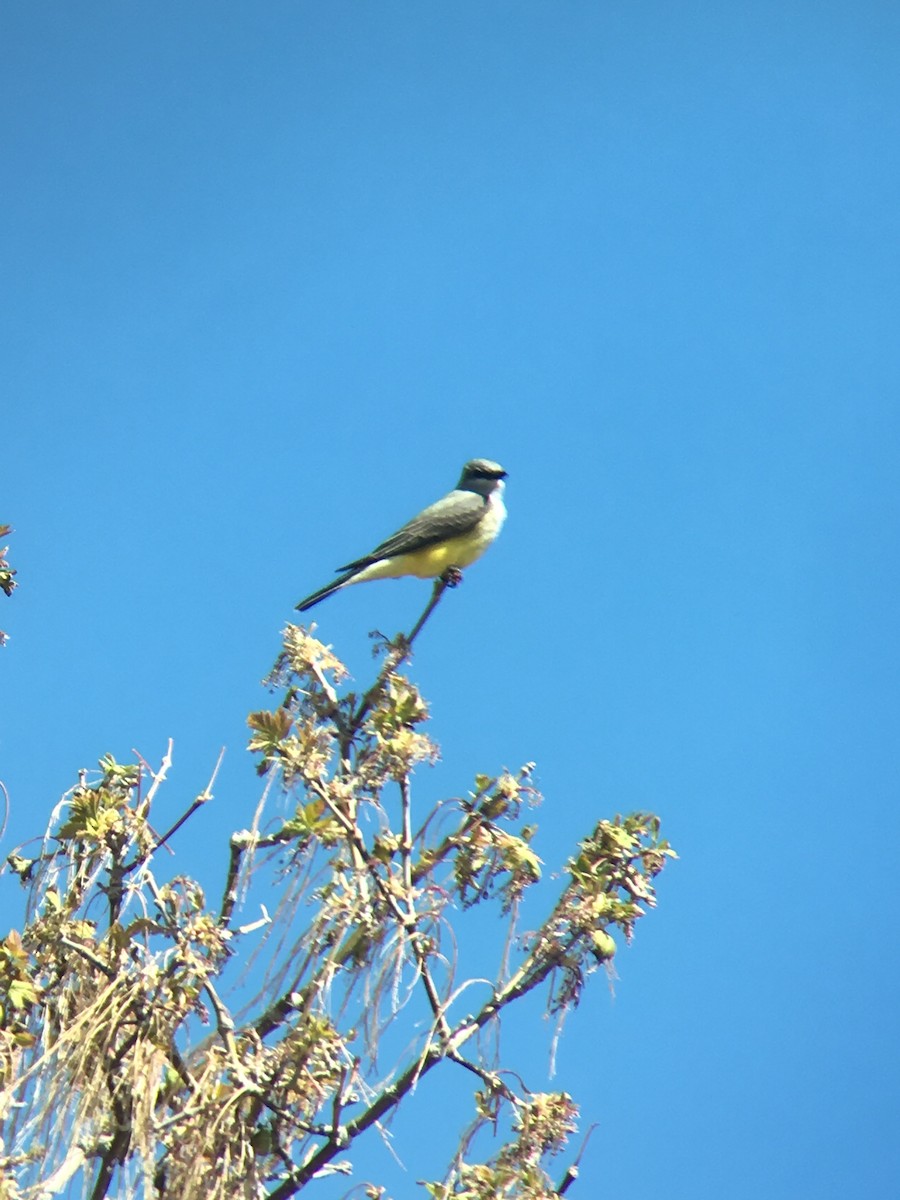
129 1061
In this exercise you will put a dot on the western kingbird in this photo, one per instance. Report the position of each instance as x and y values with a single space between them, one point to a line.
450 533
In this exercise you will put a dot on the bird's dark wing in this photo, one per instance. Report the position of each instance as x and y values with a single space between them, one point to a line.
458 513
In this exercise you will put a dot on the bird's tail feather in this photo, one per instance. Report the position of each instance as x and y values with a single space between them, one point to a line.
327 590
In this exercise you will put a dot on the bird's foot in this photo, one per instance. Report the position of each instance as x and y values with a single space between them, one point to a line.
453 577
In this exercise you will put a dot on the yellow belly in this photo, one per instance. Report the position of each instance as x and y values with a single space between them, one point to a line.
427 563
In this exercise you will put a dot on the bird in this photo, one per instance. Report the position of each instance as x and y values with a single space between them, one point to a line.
445 537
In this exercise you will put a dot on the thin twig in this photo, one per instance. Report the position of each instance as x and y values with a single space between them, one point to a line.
400 653
205 796
440 586
5 808
158 776
490 1078
406 843
247 839
572 1173
225 1026
91 958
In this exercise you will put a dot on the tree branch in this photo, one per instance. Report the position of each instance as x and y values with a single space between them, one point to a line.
400 652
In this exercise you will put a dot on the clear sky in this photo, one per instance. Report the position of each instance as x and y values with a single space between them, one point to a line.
272 272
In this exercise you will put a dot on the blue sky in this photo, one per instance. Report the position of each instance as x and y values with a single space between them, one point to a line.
273 272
